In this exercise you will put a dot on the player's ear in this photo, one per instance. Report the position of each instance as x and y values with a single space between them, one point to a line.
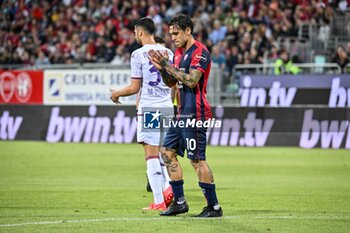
139 32
188 31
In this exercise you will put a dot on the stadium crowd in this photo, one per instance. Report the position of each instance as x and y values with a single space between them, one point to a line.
85 31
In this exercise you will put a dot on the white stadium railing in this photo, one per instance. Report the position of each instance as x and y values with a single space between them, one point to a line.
306 68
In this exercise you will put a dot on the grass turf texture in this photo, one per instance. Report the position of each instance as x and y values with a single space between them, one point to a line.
101 188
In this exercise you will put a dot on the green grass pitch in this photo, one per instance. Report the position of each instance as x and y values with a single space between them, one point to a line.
101 188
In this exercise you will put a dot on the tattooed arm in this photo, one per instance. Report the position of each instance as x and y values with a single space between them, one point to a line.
167 78
155 57
169 73
189 80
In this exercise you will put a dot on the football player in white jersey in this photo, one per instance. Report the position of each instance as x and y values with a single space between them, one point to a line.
154 95
166 178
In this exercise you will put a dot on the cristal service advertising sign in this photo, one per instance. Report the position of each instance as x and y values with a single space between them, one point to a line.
84 87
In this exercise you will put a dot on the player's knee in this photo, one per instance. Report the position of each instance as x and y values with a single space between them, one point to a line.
163 153
195 164
167 154
162 150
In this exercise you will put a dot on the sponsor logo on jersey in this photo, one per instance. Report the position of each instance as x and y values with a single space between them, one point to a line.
201 57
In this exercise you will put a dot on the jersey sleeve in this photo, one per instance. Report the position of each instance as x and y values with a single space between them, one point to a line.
171 56
136 66
200 60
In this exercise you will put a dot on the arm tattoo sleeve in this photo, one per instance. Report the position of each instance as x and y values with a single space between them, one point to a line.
167 78
189 80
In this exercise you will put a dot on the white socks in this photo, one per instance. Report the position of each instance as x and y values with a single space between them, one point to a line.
155 177
166 178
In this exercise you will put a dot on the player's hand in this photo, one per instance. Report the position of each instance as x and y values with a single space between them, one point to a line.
166 56
158 60
154 59
114 96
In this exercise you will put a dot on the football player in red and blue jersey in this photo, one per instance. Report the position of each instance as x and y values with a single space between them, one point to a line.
190 71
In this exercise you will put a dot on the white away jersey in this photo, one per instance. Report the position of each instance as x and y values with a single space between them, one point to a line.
153 90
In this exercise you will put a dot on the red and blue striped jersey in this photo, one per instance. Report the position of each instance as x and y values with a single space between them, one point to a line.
193 101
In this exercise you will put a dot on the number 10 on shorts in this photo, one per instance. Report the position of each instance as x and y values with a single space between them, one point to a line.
191 143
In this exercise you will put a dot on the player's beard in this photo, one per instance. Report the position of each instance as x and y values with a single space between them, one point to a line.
138 40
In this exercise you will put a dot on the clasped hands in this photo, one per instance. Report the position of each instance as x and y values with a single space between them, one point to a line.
158 59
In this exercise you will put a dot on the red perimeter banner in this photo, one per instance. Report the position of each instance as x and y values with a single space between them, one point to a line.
21 87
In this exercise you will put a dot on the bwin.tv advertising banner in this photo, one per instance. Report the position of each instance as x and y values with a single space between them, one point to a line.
304 127
293 90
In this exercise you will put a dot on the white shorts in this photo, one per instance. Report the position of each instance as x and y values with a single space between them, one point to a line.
148 137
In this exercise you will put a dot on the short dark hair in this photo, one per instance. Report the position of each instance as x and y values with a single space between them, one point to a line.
147 24
159 40
182 21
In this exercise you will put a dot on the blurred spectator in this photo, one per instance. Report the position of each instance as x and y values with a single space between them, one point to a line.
78 31
218 57
110 52
343 5
42 59
159 40
283 65
157 19
302 14
218 33
232 59
101 49
347 48
119 56
342 59
90 50
324 32
174 9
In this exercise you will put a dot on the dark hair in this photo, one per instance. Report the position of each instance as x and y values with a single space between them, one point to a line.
282 51
183 22
147 24
159 40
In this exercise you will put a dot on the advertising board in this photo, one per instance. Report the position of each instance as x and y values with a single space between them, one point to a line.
84 87
251 127
21 87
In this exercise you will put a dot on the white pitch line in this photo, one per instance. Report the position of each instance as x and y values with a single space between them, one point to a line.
169 219
303 217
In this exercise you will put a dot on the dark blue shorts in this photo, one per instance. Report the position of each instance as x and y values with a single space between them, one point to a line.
193 140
